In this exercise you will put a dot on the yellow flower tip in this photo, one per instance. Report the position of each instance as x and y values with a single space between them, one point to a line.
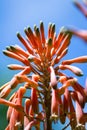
18 34
63 29
66 31
80 127
49 42
25 30
54 117
50 25
49 30
42 33
41 25
8 48
75 80
29 30
77 71
53 28
5 52
15 67
18 124
80 73
36 29
13 48
31 58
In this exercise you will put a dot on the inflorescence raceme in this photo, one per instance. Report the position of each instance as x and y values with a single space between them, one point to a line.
40 74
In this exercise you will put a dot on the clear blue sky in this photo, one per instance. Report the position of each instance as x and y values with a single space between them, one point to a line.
15 15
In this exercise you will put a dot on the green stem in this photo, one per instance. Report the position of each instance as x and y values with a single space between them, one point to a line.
48 123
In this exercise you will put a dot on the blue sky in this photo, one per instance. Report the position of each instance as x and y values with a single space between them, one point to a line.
15 15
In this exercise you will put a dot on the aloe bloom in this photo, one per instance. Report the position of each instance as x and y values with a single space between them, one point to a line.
81 33
41 74
81 7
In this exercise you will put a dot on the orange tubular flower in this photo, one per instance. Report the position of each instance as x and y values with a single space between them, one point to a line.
69 82
53 80
34 100
41 74
65 101
16 117
74 69
81 59
26 109
34 95
79 33
72 114
54 103
81 7
79 111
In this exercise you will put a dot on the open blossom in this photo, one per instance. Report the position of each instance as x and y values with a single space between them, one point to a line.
41 72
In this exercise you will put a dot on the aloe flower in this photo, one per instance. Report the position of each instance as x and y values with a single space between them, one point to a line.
81 33
41 74
81 7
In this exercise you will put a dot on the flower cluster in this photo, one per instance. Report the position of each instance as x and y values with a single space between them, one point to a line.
41 73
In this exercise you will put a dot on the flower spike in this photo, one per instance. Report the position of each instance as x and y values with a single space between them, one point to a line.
48 93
